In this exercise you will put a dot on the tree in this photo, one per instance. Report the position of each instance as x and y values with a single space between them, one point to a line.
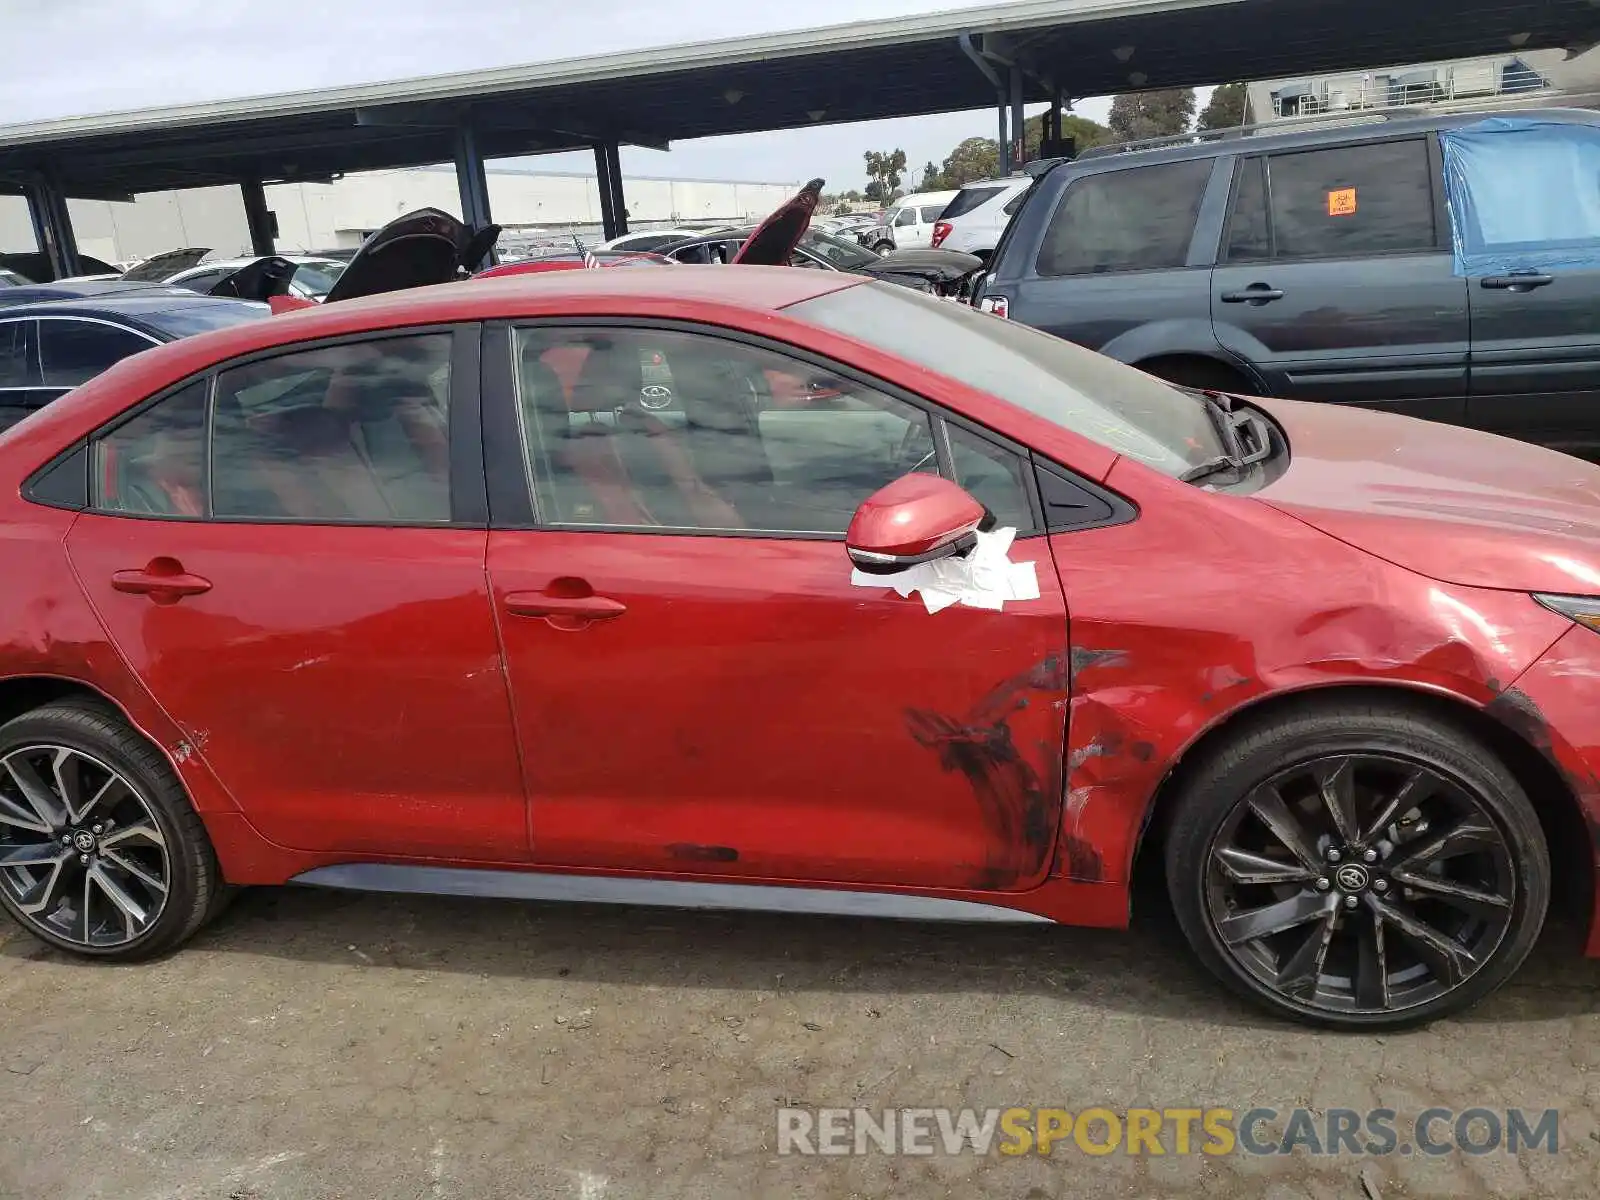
1226 108
1163 113
884 172
975 158
932 180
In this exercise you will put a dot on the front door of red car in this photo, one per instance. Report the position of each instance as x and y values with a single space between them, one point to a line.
311 609
700 687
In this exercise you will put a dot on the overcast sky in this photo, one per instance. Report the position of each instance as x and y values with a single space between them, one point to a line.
74 57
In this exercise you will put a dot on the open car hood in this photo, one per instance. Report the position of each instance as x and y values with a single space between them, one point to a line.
934 266
775 239
35 267
259 280
416 249
166 265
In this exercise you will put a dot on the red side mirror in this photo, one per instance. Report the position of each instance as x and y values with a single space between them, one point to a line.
915 519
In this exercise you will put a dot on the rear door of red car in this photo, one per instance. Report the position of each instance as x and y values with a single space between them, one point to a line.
290 554
700 687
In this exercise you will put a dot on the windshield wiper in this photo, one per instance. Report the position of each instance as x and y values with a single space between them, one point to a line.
1230 424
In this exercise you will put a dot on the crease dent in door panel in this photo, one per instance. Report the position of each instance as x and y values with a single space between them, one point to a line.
189 747
1018 799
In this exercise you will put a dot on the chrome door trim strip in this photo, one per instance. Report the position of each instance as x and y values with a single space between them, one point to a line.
664 893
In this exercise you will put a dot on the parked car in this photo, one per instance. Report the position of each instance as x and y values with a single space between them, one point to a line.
979 214
1336 281
57 336
786 237
48 348
908 224
312 278
647 239
35 267
267 589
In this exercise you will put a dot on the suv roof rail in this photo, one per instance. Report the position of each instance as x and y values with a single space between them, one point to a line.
1284 125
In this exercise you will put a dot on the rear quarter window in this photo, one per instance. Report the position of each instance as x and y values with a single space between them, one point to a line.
1131 219
967 200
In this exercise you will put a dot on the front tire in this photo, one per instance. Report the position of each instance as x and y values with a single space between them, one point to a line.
1358 866
101 853
883 247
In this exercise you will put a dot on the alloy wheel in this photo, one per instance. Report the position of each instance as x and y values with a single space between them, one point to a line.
82 857
1360 884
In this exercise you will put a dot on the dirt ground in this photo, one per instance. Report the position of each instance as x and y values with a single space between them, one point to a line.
322 1045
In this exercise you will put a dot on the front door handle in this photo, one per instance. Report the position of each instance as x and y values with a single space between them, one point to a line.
564 612
1515 282
1256 293
162 579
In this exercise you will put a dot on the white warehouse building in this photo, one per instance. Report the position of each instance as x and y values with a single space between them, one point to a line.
321 216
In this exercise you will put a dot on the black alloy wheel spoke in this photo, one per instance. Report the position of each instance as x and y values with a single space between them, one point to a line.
1267 804
82 856
1361 883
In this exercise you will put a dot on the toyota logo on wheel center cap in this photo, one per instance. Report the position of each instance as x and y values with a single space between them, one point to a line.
1351 878
83 840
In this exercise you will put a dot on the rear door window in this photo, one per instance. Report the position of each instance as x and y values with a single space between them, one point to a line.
1352 201
968 199
930 213
74 352
19 366
1136 219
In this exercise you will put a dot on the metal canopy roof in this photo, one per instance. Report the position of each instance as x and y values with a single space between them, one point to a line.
862 71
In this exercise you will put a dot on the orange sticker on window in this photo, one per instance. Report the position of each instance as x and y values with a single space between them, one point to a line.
1342 203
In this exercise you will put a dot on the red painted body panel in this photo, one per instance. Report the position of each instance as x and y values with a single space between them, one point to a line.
753 710
1446 502
1553 706
362 699
344 683
1246 603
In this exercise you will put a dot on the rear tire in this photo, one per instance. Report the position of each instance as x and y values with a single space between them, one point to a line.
107 857
1301 865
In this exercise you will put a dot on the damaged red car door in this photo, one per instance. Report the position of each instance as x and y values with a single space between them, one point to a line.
700 686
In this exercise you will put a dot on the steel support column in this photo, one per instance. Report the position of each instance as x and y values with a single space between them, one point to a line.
971 50
473 182
52 226
608 172
1019 122
263 223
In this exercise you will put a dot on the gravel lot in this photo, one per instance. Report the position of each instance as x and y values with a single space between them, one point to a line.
321 1045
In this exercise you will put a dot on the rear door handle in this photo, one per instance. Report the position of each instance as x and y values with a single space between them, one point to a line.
1256 293
1515 282
163 579
580 608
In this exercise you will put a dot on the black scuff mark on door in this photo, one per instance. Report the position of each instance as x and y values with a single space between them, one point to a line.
696 853
1083 658
1016 802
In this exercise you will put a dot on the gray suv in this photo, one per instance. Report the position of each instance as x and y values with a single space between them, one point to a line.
1313 263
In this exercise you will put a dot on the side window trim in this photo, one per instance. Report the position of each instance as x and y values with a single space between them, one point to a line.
510 485
1436 200
41 319
1193 254
465 433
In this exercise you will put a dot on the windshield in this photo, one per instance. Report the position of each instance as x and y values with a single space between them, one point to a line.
1109 402
843 254
215 313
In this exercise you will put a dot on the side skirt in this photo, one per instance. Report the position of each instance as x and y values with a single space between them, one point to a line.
663 893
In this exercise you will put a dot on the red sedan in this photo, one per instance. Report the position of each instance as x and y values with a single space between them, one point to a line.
431 592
